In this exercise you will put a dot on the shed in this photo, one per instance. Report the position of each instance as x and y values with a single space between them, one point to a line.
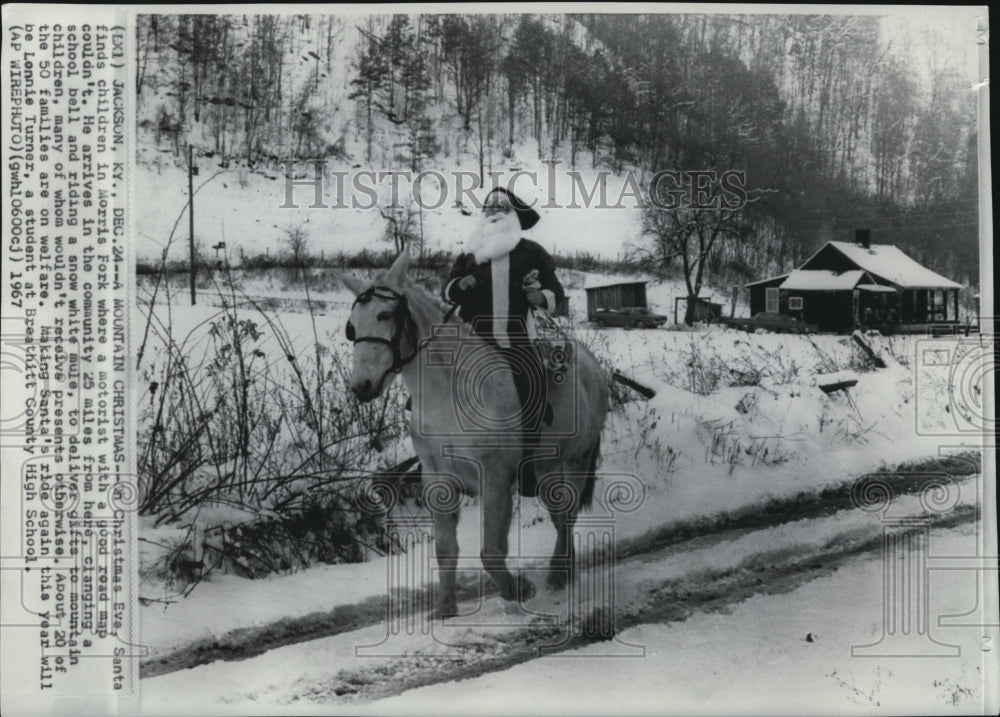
615 296
704 309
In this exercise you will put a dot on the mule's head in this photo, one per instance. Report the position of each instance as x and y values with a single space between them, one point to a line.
382 329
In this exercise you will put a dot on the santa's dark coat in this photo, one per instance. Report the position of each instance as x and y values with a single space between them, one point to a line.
475 305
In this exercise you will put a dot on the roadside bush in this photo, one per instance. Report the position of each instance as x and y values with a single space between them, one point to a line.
251 442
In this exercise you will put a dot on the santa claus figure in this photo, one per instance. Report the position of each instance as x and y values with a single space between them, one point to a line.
496 282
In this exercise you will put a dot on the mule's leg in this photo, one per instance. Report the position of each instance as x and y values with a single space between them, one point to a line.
446 547
562 500
562 494
563 562
496 507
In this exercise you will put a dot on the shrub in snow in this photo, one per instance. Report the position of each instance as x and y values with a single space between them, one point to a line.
246 423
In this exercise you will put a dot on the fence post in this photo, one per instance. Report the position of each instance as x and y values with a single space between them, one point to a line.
191 217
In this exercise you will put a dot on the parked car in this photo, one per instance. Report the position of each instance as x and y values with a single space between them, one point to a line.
631 317
779 323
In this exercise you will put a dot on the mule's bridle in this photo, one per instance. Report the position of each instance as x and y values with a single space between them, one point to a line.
402 318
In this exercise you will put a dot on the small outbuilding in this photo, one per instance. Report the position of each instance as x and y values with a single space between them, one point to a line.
615 297
847 285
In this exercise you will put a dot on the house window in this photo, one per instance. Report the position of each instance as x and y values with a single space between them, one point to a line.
936 310
771 299
795 303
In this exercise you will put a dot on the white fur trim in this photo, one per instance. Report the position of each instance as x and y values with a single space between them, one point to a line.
500 270
550 299
447 289
492 239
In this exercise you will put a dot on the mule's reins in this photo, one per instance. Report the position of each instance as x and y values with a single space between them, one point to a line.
402 316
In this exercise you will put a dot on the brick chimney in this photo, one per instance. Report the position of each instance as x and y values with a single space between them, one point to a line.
863 237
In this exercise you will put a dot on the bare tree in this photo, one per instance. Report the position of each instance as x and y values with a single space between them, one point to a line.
297 240
402 224
693 233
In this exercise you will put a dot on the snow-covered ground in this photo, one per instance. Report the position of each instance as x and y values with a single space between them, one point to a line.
738 424
694 455
785 649
771 654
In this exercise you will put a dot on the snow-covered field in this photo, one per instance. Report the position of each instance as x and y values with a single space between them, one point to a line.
738 429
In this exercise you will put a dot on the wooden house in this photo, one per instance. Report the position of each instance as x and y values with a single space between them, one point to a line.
847 285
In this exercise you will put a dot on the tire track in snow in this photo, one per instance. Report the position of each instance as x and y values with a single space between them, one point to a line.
671 601
244 643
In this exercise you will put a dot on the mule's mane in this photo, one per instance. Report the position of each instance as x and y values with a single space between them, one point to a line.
425 306
428 303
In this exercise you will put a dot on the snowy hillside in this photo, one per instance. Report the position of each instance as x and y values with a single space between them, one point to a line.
248 211
555 94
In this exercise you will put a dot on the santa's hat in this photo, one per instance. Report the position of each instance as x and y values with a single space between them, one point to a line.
527 216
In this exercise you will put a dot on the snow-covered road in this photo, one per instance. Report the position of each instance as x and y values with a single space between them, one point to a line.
747 616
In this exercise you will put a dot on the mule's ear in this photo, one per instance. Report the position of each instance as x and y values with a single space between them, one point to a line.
355 284
397 272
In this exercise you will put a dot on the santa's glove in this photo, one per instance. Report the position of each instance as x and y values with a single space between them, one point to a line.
536 298
530 280
467 282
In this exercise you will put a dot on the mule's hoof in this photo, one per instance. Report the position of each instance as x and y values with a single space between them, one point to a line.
444 611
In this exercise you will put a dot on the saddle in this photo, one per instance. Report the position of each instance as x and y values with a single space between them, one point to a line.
553 347
550 344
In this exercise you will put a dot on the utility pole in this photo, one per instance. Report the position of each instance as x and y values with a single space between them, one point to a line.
191 218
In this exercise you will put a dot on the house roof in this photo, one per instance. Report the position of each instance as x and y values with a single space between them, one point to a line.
890 263
823 280
767 280
588 287
883 261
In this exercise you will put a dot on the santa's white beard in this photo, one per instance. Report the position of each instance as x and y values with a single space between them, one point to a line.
494 236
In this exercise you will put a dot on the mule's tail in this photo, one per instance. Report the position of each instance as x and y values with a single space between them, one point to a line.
587 497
